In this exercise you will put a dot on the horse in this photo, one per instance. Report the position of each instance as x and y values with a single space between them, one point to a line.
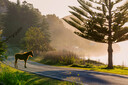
23 56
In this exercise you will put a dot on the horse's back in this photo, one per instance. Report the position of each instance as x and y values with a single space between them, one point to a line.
20 56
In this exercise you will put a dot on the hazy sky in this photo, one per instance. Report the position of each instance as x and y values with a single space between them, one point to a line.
58 7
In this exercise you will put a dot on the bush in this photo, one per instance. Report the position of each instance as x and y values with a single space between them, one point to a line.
75 65
60 57
88 65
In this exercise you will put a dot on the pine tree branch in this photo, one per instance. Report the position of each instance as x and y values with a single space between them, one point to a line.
88 11
119 34
88 4
78 16
90 37
124 38
77 26
75 20
124 7
80 11
117 1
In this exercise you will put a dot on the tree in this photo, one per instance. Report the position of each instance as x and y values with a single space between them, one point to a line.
20 15
105 25
36 40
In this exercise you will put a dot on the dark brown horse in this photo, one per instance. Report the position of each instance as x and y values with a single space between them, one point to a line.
23 56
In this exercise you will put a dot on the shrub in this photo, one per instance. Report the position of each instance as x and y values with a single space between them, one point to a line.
93 62
60 57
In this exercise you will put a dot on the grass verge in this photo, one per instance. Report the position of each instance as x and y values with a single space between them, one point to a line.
85 65
117 69
12 76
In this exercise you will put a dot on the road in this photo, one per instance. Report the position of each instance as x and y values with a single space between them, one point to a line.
70 74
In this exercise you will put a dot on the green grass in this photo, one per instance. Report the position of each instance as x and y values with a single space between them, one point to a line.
117 69
11 76
102 68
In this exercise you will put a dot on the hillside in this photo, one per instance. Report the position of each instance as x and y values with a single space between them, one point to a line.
63 38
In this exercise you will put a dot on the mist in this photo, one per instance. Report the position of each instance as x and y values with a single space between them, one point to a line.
63 38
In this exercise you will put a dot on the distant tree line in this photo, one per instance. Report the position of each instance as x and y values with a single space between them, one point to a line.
33 24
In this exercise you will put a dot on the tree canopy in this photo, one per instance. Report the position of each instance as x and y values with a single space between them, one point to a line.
94 25
36 40
21 15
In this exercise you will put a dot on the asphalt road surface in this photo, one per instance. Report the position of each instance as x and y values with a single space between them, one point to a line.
69 74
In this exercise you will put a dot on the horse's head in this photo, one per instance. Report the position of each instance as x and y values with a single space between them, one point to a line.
31 53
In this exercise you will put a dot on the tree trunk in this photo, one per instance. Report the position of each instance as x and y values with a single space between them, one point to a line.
110 57
110 51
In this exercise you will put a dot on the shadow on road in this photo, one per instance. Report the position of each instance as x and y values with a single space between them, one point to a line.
77 76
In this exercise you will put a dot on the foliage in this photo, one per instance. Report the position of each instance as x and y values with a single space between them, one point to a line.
36 40
94 27
11 76
2 51
105 26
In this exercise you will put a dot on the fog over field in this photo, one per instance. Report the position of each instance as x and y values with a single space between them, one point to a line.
63 38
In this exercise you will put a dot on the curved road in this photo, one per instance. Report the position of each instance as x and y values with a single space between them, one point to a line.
69 74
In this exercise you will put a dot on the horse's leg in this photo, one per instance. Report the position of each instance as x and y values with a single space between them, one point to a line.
16 63
25 64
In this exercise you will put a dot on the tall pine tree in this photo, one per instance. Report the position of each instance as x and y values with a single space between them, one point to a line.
107 25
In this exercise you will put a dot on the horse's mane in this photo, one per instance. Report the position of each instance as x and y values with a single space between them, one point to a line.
25 52
28 52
